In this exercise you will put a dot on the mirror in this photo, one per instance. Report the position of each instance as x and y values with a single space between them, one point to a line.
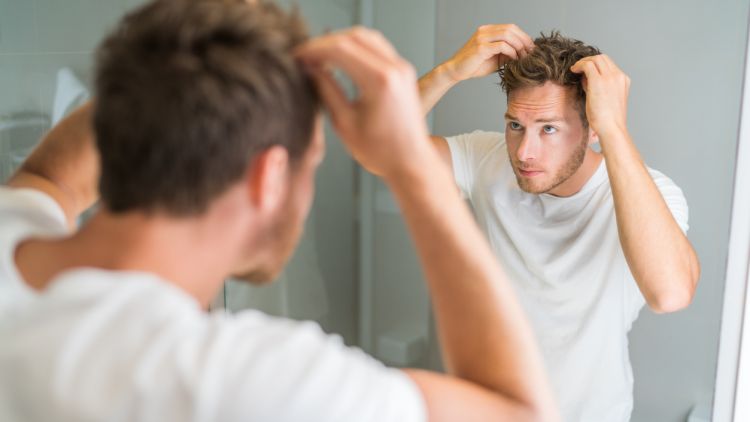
677 127
355 271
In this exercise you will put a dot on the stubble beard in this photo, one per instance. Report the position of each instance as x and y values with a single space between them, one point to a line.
567 170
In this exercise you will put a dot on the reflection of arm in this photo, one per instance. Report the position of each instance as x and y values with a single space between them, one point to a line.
444 151
65 165
487 344
433 86
483 54
658 253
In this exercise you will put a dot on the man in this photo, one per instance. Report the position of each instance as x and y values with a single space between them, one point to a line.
208 135
587 237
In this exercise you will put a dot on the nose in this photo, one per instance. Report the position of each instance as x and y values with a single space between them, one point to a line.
528 149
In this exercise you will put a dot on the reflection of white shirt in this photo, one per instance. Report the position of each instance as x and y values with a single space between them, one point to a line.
564 258
127 346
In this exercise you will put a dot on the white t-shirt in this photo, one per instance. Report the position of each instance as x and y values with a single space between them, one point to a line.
127 346
565 261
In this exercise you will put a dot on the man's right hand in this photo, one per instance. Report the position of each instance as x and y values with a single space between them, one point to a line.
487 50
383 127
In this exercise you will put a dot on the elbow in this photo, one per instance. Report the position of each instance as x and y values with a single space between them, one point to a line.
681 291
670 304
676 299
538 413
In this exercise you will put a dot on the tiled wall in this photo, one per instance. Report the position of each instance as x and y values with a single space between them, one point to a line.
38 37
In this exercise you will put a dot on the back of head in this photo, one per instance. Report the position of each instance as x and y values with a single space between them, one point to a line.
550 60
188 91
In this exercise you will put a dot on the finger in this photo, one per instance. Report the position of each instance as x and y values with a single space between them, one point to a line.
375 42
502 47
613 67
528 43
340 51
603 63
586 66
331 93
504 34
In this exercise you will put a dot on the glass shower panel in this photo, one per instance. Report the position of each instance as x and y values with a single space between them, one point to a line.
320 281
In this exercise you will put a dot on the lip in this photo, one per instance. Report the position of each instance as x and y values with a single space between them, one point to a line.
530 173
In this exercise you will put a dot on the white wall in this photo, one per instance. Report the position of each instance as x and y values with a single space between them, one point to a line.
685 60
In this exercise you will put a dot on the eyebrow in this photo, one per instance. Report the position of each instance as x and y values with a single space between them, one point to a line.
546 119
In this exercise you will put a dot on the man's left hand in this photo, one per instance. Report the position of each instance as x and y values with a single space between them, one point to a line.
606 89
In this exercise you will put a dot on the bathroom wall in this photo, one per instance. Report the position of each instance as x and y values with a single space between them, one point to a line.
38 38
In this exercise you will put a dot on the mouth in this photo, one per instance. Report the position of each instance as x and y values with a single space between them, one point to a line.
529 173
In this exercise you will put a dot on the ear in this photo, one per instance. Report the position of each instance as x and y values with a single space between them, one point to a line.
268 179
593 137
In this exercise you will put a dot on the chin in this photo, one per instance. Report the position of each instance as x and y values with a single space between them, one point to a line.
534 188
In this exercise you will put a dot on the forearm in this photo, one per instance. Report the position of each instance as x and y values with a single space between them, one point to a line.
658 253
433 86
65 165
484 336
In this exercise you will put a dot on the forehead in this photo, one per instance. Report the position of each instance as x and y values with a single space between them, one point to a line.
549 98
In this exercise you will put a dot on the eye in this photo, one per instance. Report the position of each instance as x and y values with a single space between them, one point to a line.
514 126
549 129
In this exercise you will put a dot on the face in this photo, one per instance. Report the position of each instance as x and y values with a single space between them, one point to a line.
546 139
282 234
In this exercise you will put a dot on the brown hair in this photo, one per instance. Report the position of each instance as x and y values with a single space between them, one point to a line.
550 60
188 91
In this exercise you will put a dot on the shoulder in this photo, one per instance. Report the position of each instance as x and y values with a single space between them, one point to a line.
479 136
31 206
291 369
474 147
24 213
665 184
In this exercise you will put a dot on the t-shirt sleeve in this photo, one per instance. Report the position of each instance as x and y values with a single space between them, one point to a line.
24 213
31 206
674 198
267 368
467 153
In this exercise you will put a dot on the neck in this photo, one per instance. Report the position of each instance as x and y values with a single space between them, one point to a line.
578 180
182 252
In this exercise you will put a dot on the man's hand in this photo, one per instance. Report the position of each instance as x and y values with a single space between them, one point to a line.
607 90
487 50
383 127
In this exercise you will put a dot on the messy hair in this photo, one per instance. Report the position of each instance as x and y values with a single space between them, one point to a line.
188 92
550 60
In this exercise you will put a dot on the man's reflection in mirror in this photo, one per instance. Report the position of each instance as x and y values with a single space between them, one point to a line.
588 236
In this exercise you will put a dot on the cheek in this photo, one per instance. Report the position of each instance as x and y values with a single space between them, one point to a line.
512 142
